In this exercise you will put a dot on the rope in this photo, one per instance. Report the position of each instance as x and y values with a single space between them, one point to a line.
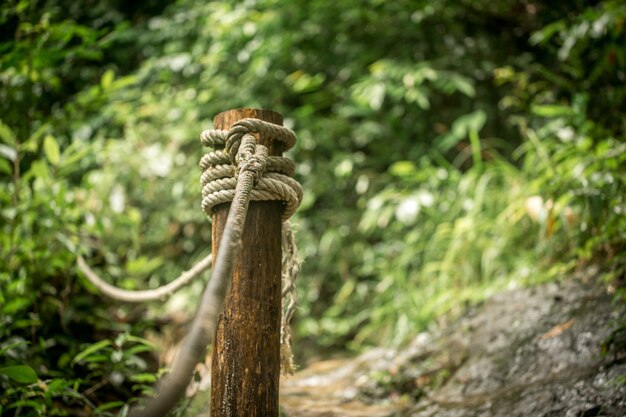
291 269
140 296
218 180
254 168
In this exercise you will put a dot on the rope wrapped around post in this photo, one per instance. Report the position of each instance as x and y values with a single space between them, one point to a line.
234 148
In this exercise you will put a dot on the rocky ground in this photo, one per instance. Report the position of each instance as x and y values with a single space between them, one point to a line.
525 352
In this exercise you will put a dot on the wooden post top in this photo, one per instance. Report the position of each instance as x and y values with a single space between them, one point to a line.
226 119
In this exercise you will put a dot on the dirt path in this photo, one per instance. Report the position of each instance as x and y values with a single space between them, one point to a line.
330 388
526 352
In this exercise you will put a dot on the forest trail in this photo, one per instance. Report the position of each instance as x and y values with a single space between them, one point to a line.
525 352
331 388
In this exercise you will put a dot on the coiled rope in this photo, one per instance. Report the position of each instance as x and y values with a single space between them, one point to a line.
258 176
236 147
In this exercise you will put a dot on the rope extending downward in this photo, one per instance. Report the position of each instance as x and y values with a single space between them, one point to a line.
258 177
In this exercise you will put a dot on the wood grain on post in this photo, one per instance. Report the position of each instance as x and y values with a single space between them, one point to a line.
246 353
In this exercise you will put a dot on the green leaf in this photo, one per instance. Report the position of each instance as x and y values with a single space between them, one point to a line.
51 148
447 141
39 169
475 121
9 346
8 152
136 339
35 405
109 405
107 79
416 95
5 167
547 32
461 128
375 95
133 351
145 377
17 304
57 386
32 143
90 350
143 265
468 122
7 135
402 168
20 373
551 110
464 85
306 83
72 158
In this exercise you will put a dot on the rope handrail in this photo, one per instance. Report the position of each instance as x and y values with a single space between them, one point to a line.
140 296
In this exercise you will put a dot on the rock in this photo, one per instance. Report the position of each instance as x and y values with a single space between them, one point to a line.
525 352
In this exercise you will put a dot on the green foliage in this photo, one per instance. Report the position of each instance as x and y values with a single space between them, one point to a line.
447 150
20 373
46 314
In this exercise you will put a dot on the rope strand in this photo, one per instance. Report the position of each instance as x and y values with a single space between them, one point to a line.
140 296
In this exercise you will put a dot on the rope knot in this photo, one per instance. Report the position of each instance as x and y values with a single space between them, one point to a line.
237 151
250 156
254 164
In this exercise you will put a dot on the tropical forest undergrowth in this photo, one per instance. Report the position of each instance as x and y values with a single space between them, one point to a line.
448 150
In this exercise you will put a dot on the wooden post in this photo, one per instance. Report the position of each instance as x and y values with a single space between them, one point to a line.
246 353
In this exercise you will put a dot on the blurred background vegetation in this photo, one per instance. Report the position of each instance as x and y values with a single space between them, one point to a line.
447 149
